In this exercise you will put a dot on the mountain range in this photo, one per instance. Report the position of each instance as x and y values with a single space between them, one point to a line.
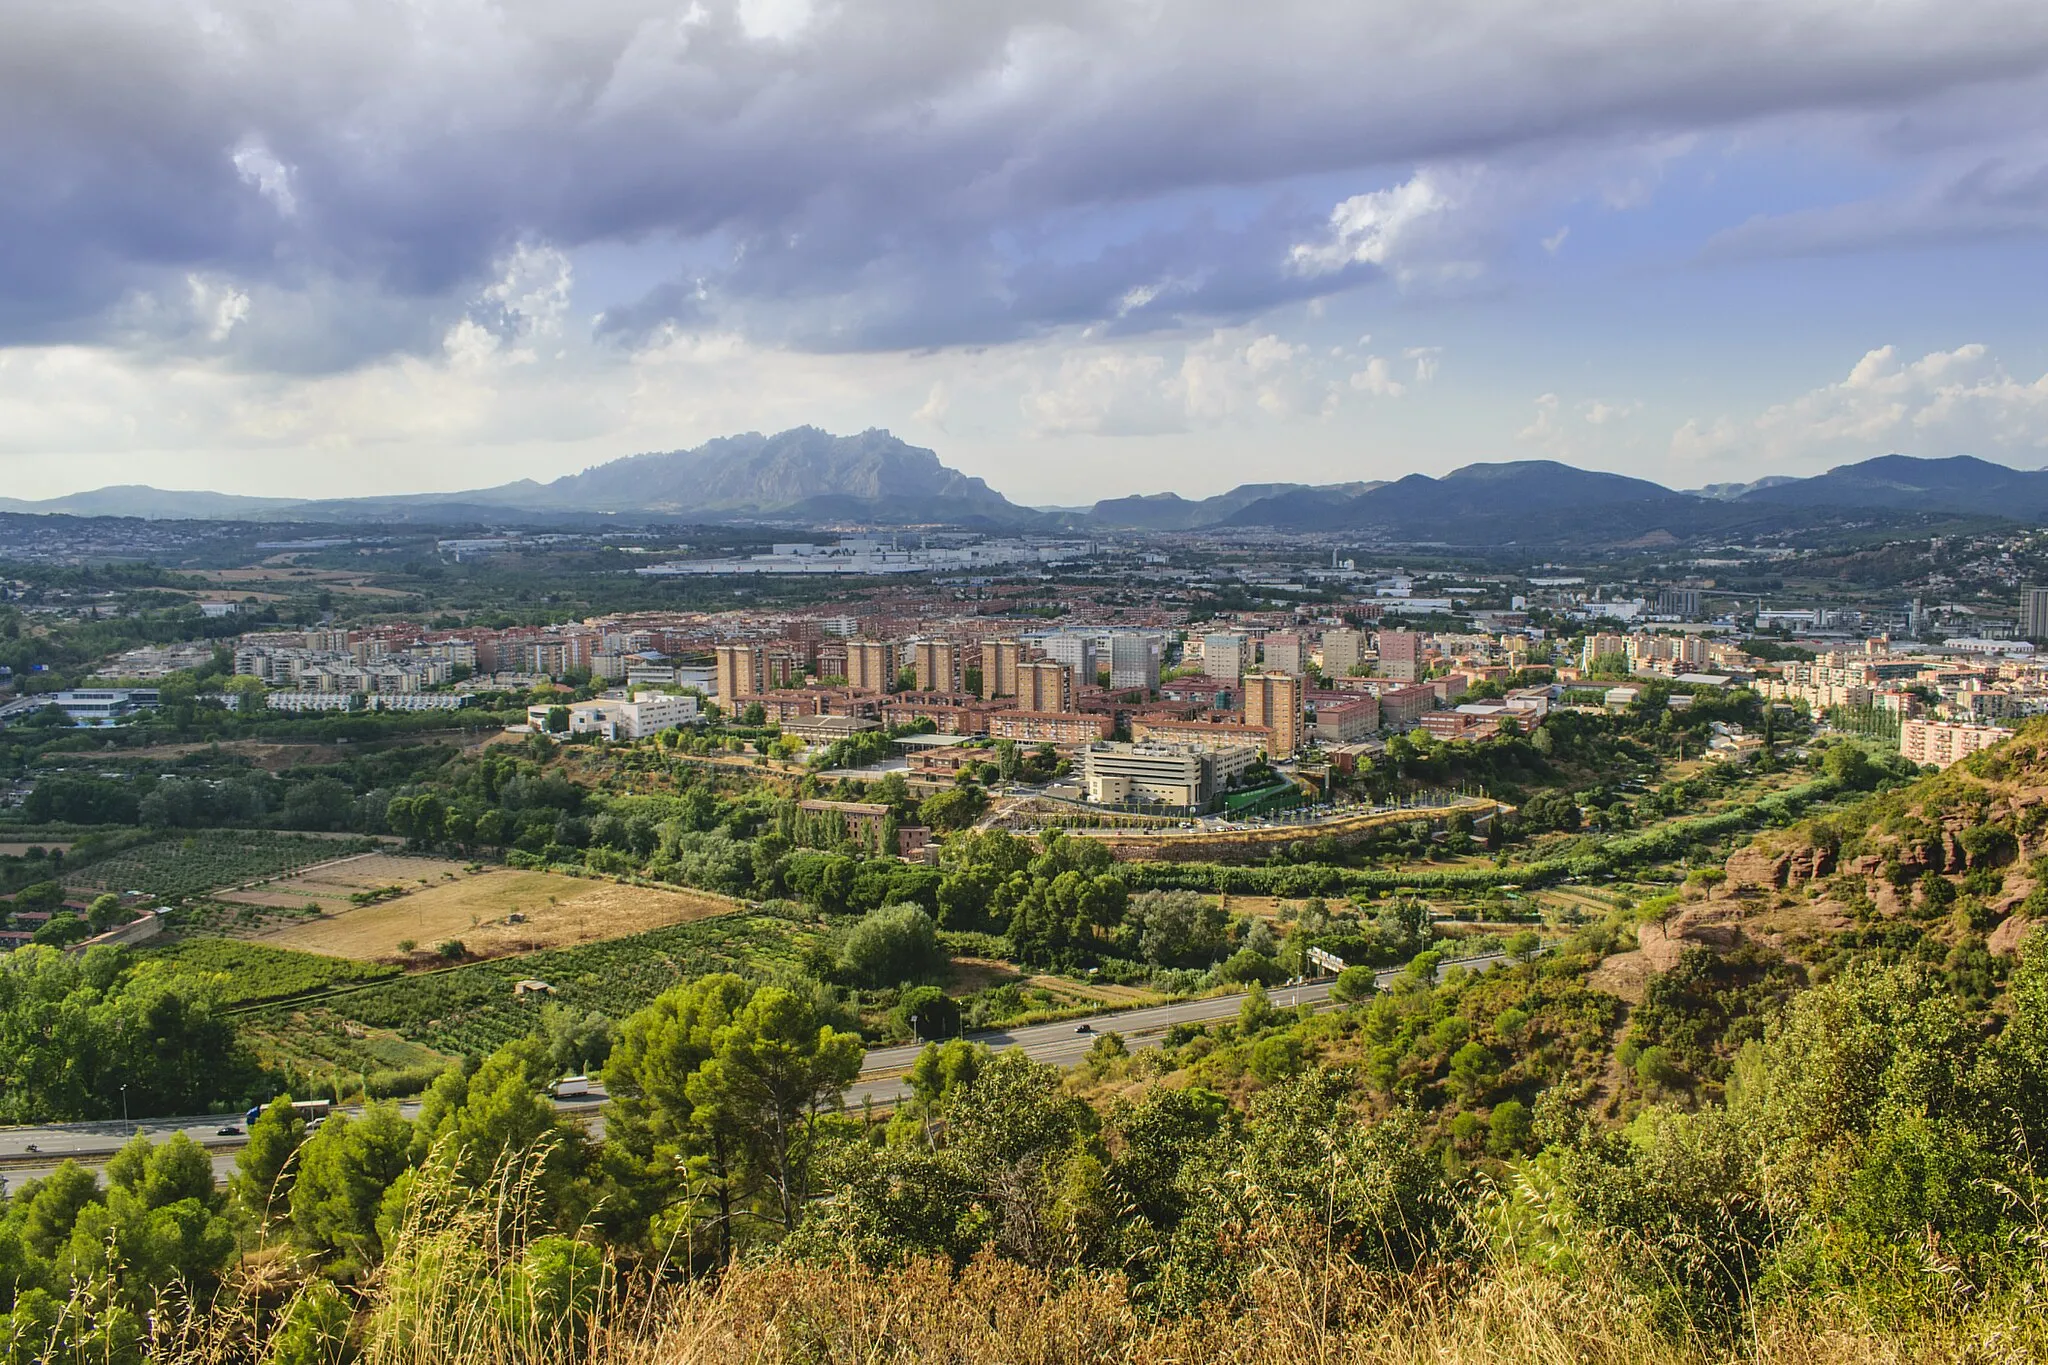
809 476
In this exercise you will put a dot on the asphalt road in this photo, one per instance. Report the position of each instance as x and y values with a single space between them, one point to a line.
882 1078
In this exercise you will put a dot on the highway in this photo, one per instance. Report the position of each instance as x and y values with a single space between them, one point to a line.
881 1082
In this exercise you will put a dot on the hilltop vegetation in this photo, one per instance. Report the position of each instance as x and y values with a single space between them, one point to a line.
1787 1100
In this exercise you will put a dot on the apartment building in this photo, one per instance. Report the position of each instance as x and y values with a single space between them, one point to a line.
741 670
1942 743
1284 654
1062 728
1402 707
1274 702
1043 685
871 665
1134 659
1345 717
999 661
936 664
2034 614
1075 651
1225 656
1342 651
1400 655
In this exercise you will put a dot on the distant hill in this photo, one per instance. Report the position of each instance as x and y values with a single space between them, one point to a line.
809 476
1520 501
763 475
800 474
1961 483
1728 492
140 500
1172 512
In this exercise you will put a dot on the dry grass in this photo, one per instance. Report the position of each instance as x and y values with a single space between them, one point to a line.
330 886
999 1313
556 911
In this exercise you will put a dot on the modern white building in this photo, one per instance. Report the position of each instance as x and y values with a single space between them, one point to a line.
1180 776
647 713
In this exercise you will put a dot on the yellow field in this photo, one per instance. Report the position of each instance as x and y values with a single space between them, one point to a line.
554 911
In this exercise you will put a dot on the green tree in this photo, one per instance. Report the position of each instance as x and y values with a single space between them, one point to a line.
929 1012
652 1124
1508 1128
1353 984
773 1074
264 1169
891 945
345 1170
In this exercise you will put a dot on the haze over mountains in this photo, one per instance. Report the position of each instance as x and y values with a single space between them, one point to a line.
809 476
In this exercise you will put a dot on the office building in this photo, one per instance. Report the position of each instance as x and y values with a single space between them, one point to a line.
1179 776
740 672
1273 702
617 718
1043 685
1225 656
1400 655
999 660
1342 651
1284 654
936 663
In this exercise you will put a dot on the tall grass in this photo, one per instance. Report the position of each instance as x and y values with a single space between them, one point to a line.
466 1282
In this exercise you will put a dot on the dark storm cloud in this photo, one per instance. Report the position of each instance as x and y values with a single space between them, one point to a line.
892 173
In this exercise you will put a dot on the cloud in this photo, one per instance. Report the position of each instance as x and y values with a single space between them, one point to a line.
1231 377
1945 403
1599 412
1373 229
271 177
1544 430
875 176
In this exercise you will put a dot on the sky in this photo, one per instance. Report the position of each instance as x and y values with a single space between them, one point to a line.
1081 248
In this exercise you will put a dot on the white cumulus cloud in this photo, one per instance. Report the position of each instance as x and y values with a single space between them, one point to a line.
1956 402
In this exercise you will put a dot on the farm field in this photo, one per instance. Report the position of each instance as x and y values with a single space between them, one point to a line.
556 911
172 866
329 887
243 973
17 850
411 1020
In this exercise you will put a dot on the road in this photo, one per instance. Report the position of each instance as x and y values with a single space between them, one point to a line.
1063 1044
881 1083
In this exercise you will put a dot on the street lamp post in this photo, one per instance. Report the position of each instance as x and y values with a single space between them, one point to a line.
124 1103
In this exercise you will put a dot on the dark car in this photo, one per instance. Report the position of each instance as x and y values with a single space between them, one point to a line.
1085 1028
229 1131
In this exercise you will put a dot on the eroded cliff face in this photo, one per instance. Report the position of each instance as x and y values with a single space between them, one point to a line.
1961 856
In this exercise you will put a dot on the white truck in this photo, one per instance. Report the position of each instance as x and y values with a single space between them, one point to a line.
570 1087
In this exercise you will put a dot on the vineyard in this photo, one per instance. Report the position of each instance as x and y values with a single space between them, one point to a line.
173 867
244 973
472 1009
